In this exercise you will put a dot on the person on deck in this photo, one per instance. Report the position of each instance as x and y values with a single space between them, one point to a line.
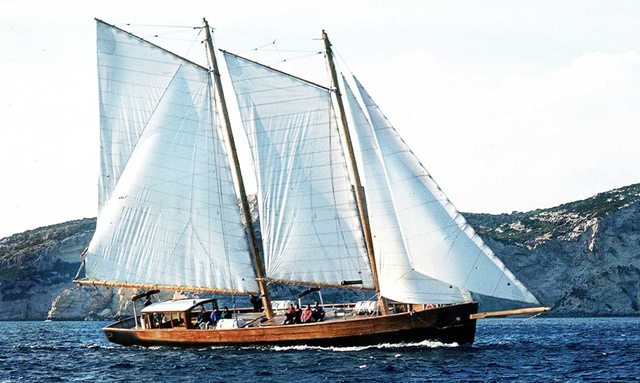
215 317
318 313
290 315
256 302
226 314
307 315
202 318
298 314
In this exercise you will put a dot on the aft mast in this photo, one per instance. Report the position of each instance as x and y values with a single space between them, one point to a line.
235 163
360 198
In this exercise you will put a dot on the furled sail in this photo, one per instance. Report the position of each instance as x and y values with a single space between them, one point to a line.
398 280
310 228
438 241
168 213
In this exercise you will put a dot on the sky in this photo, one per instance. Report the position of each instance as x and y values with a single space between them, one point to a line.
510 105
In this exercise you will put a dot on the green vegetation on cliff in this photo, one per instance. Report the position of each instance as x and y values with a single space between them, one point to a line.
523 228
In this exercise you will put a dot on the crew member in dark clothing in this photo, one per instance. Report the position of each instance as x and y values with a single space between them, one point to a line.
290 315
256 302
318 313
298 314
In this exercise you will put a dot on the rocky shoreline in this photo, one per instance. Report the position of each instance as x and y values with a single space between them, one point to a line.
582 258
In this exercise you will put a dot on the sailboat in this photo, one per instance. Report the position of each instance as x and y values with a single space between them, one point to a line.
342 203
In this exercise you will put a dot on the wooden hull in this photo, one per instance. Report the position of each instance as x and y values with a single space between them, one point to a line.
447 324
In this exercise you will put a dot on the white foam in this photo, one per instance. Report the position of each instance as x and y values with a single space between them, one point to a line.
426 343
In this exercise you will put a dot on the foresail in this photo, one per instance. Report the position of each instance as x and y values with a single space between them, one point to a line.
310 228
133 76
438 241
169 214
398 280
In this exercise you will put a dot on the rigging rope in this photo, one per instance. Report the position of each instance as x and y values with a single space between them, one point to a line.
160 25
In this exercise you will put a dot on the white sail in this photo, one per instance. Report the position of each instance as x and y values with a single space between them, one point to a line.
308 217
437 239
169 214
131 85
398 280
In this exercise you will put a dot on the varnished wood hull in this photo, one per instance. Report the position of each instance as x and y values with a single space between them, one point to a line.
448 324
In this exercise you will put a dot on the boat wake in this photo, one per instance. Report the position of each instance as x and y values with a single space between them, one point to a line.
382 346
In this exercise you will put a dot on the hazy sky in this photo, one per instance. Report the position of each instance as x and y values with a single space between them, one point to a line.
511 105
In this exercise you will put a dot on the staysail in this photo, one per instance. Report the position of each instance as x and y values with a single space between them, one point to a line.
168 213
438 241
311 232
398 279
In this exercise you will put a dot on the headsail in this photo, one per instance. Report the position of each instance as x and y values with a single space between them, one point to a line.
168 210
310 228
398 279
438 241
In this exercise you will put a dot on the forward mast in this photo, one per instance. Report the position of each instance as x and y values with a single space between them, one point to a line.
235 165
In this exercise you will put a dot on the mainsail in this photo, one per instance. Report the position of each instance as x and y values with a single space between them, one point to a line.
436 238
311 232
168 214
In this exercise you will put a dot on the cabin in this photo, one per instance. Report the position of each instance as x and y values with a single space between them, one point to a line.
175 313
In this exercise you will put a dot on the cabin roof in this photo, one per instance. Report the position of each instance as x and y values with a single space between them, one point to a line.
178 305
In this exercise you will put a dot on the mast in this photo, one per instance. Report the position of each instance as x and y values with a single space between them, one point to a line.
359 191
235 164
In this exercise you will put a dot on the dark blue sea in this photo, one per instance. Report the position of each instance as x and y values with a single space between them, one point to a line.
506 350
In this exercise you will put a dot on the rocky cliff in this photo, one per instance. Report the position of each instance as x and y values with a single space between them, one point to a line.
583 258
38 265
